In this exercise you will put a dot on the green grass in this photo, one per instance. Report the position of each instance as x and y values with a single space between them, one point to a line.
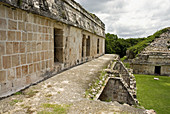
18 93
13 102
123 58
31 93
56 109
154 94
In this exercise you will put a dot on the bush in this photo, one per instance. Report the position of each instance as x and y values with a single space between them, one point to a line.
124 58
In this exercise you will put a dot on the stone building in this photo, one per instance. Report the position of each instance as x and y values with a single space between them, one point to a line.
155 58
39 38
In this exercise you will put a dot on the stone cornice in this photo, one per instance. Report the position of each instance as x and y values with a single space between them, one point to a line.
65 11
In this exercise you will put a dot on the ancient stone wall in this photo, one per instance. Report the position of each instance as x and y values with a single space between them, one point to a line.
150 69
66 11
123 71
155 58
116 83
143 69
116 91
35 46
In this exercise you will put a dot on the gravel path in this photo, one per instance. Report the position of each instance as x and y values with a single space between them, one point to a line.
66 91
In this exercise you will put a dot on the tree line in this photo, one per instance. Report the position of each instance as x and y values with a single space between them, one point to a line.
115 45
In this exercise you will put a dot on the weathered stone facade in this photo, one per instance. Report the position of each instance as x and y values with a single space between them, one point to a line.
39 38
116 84
154 59
116 91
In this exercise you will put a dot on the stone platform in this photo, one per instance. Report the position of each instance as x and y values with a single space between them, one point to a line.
66 88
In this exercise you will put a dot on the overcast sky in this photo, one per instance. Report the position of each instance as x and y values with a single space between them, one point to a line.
130 18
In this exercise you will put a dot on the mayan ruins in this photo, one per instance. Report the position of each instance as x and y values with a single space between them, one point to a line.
41 38
155 58
53 60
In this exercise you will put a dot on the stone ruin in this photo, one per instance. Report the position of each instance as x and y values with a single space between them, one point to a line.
39 38
155 58
117 83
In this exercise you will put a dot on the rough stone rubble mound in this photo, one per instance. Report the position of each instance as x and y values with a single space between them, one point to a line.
159 44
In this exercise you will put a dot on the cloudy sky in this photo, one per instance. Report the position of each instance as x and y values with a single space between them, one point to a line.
130 18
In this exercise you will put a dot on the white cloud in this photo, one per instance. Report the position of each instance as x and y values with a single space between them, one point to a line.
130 18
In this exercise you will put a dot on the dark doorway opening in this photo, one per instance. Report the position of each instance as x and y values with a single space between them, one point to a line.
88 46
98 46
58 45
83 45
158 70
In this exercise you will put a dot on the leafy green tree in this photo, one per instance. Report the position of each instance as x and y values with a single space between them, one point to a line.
115 45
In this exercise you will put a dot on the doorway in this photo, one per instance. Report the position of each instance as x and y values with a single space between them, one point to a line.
98 46
83 45
158 70
58 45
88 46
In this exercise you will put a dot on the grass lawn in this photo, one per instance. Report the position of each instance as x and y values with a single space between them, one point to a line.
154 94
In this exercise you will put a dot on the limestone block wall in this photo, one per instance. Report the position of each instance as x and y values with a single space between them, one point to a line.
165 70
143 69
162 59
34 47
150 69
152 63
115 91
26 48
123 71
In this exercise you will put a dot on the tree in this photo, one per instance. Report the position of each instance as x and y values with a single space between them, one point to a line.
115 45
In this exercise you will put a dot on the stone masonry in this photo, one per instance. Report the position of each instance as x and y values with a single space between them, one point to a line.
39 38
116 83
115 91
155 58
